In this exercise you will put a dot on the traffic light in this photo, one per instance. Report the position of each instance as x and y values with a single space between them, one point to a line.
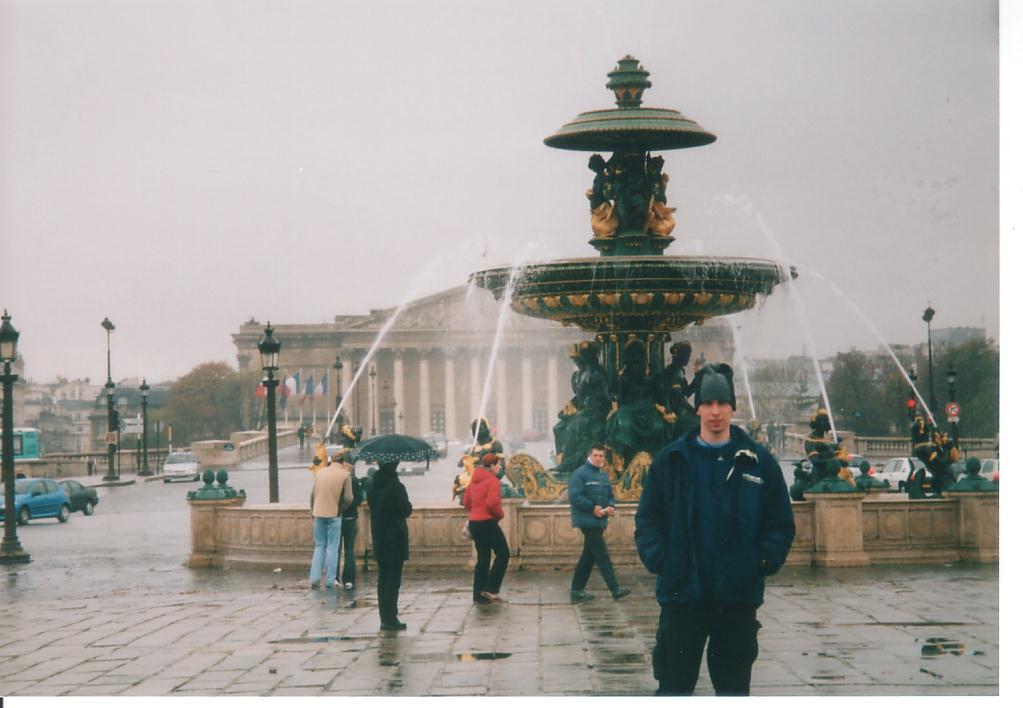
911 407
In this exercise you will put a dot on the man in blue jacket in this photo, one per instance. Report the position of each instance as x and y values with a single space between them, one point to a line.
592 500
713 521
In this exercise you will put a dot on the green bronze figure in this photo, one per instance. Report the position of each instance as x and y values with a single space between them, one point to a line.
581 423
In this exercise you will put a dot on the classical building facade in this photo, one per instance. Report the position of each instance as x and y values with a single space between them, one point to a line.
430 371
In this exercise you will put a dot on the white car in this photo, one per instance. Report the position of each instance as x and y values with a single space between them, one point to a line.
989 469
896 472
181 466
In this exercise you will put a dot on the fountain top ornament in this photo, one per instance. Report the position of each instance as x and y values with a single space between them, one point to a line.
630 125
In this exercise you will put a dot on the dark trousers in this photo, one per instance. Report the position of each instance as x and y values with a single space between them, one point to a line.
594 551
388 584
681 635
346 563
488 537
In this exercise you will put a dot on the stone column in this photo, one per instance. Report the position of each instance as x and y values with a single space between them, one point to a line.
977 525
424 391
837 529
347 372
552 393
502 397
475 386
450 414
527 391
399 388
205 552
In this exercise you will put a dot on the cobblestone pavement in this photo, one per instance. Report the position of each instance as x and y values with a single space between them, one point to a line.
863 631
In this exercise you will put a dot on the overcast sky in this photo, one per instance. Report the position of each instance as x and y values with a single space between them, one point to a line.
180 166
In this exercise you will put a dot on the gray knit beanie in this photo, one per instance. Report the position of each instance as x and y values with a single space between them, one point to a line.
714 383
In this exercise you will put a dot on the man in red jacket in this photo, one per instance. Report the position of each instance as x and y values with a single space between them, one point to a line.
483 500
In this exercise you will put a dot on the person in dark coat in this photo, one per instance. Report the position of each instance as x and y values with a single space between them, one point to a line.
349 529
389 507
713 521
592 500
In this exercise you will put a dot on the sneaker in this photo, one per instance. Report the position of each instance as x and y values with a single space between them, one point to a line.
314 584
579 596
349 586
491 597
393 625
620 593
336 585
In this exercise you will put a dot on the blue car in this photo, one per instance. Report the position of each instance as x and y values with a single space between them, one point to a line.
37 499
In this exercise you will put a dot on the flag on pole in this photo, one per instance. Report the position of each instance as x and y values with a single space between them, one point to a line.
294 383
307 392
321 387
260 391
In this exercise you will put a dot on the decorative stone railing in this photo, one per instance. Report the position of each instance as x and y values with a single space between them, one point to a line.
242 446
831 530
885 447
76 464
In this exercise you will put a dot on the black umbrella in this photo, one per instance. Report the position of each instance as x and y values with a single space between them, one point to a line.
395 448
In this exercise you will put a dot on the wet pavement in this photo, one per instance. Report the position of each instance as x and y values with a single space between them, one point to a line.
107 608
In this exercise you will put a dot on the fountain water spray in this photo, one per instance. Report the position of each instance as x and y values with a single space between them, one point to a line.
801 311
866 320
419 286
740 358
502 319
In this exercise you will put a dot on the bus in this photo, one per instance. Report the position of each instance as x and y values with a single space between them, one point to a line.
26 444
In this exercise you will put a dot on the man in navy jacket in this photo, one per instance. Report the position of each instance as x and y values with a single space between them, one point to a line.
713 521
592 500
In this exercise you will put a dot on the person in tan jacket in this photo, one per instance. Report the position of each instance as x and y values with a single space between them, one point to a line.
331 494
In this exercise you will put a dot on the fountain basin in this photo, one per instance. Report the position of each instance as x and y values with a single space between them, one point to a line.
615 293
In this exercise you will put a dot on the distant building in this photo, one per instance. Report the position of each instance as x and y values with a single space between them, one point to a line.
431 368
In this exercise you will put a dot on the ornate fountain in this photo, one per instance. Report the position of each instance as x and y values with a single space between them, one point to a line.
631 296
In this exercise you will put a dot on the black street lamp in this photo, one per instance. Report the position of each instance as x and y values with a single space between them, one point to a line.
112 423
928 316
10 550
950 375
372 399
269 349
144 390
338 365
337 399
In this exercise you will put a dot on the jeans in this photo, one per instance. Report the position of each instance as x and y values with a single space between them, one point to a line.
388 585
349 529
487 536
594 551
326 535
683 631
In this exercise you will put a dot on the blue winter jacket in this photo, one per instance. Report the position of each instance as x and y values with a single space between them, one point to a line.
589 487
756 512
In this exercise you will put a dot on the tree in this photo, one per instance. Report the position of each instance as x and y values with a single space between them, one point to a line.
207 403
977 380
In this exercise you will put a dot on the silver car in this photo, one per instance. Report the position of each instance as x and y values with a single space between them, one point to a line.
181 466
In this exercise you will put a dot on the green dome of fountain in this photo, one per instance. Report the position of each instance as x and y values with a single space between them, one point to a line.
629 125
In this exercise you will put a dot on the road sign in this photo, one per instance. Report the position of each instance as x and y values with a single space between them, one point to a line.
952 410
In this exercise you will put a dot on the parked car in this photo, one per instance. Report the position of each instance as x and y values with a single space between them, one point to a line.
897 471
37 499
438 442
989 469
181 466
82 498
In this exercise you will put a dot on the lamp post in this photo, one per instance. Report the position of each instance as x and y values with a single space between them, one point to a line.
269 349
10 550
372 399
401 422
337 400
928 316
950 375
112 422
144 390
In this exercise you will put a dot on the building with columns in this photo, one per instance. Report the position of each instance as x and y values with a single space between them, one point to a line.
430 371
